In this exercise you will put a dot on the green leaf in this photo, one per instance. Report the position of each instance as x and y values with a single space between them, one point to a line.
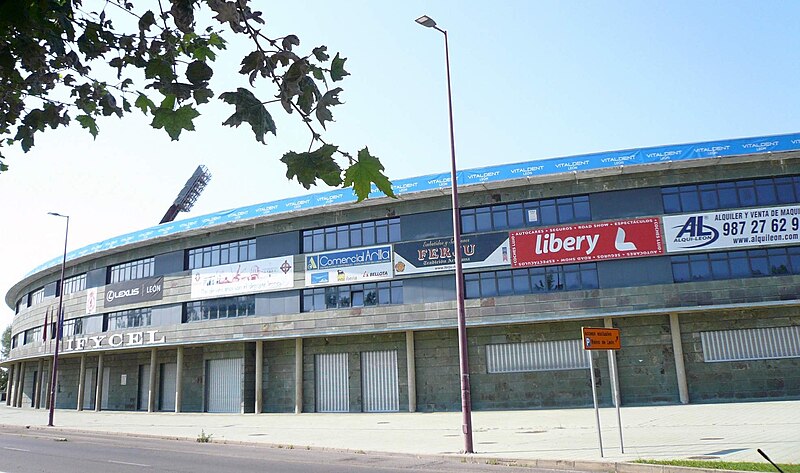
309 166
249 109
320 54
363 173
159 67
308 94
89 123
144 103
198 72
174 121
330 98
337 68
202 95
146 21
289 41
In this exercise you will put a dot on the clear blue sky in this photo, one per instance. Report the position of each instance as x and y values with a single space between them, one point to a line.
531 80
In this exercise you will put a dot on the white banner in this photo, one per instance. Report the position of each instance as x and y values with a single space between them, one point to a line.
738 228
349 266
271 274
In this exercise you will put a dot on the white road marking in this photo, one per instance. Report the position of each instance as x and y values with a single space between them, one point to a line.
128 463
15 449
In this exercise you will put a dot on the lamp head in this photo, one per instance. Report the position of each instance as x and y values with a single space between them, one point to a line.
56 214
426 21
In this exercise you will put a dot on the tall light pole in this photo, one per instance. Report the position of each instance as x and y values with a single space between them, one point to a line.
463 355
59 324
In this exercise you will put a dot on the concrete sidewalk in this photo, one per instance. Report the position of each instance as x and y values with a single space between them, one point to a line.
729 432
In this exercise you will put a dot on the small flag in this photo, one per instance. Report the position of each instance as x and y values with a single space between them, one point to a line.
46 320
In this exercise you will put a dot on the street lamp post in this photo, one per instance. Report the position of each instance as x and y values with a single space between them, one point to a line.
59 324
463 355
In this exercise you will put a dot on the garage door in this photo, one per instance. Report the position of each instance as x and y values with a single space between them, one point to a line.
379 381
169 372
144 387
331 383
224 385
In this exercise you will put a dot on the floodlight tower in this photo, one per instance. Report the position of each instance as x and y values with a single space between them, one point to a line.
189 194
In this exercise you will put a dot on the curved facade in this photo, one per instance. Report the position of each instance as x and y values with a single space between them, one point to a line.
331 306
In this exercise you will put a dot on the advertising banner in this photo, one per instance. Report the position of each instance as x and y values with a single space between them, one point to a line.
349 266
586 242
737 228
264 275
477 251
134 292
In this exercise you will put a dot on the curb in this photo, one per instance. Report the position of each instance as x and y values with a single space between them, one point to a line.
557 465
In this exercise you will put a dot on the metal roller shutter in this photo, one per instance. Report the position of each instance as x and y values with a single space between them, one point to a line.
224 385
332 383
379 381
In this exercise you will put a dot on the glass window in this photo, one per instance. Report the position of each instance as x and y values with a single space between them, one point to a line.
736 264
143 268
75 284
37 296
530 213
531 280
352 235
128 319
731 194
355 295
222 308
224 253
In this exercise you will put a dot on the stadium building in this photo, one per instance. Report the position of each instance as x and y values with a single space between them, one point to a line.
321 304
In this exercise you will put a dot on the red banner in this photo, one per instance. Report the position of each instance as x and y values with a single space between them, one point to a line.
586 242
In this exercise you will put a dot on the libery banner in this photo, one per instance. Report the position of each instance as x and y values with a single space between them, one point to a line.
586 242
737 228
270 274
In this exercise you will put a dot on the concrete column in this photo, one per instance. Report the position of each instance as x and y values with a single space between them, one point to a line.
37 394
259 376
179 381
612 367
298 376
20 384
412 372
98 397
680 367
49 364
9 384
151 394
81 379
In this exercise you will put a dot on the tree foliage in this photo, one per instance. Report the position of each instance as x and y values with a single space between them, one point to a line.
5 348
5 343
65 60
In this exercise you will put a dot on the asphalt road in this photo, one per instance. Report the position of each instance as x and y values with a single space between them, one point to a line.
29 450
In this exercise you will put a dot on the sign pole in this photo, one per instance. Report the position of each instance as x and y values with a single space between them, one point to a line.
594 398
613 360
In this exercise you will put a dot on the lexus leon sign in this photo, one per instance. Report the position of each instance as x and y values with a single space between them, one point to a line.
133 292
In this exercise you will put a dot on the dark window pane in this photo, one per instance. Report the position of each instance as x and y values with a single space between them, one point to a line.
690 200
765 192
680 271
582 211
468 221
746 193
565 213
483 220
728 197
516 219
547 213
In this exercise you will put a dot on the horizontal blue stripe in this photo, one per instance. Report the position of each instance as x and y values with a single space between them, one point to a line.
503 172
